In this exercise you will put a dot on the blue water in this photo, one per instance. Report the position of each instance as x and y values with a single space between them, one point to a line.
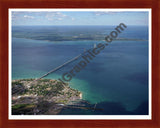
116 79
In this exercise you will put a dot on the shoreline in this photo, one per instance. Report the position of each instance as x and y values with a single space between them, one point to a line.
46 96
56 41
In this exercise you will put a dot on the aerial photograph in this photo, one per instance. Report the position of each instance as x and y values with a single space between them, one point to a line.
79 62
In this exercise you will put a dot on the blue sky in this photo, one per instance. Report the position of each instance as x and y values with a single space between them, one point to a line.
79 18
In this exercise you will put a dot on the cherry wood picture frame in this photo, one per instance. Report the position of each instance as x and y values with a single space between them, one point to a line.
104 4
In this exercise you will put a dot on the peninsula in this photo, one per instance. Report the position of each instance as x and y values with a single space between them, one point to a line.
42 97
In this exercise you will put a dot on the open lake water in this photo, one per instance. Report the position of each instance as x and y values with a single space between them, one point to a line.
116 79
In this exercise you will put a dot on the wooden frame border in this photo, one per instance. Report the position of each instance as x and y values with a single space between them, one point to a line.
5 5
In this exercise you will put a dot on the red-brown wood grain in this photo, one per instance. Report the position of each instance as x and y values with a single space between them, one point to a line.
6 4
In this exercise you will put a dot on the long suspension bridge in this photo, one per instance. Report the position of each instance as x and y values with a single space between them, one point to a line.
57 68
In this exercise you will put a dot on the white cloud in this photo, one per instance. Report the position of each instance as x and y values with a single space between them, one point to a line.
57 16
63 15
49 15
104 13
29 17
14 15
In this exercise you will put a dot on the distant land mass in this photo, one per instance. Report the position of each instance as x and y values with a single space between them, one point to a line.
65 33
